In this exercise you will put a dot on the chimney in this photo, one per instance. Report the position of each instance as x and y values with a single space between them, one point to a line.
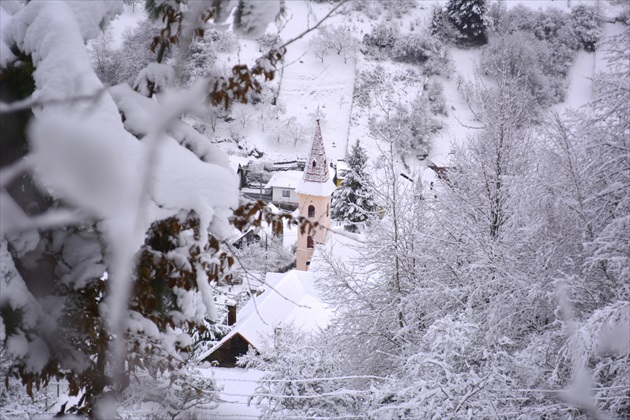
231 306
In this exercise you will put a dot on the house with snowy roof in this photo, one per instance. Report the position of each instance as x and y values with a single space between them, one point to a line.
288 298
282 185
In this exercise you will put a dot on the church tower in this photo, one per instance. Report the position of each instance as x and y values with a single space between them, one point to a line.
314 190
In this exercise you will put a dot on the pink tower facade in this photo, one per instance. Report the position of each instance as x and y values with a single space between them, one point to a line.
315 190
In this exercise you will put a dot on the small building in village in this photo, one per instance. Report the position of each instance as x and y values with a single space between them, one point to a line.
282 185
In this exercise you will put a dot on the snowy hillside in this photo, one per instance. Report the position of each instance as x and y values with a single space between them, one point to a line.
477 261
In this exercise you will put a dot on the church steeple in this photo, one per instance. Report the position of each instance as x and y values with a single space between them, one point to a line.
316 179
316 169
315 190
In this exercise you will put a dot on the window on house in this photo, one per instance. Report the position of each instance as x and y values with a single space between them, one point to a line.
310 243
286 193
311 211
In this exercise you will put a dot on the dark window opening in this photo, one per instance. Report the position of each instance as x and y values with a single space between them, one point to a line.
310 244
311 211
327 210
314 164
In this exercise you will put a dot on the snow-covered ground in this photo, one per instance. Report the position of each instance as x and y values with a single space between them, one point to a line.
237 386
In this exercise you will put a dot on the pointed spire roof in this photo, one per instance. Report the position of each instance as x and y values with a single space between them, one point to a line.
316 179
316 168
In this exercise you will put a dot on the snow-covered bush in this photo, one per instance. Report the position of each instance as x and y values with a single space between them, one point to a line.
268 41
433 90
446 375
523 57
586 23
200 58
411 126
419 48
338 40
382 36
398 9
367 83
580 28
123 65
300 378
550 38
188 395
265 255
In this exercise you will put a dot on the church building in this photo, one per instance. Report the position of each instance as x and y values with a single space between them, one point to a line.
314 191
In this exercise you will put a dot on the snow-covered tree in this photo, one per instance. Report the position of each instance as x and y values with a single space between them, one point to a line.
468 17
92 298
338 40
410 126
440 26
353 203
586 21
301 376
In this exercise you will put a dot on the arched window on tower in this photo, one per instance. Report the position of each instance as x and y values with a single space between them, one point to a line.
310 244
314 164
311 211
327 210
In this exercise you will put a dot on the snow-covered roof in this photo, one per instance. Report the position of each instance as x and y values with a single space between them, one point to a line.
342 165
319 189
285 179
443 161
289 298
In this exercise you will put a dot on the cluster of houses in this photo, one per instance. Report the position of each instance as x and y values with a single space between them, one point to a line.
291 297
286 297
